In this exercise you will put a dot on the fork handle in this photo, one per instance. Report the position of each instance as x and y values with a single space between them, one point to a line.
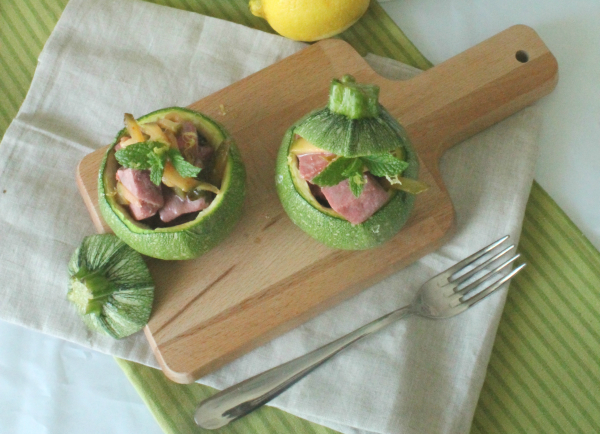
243 398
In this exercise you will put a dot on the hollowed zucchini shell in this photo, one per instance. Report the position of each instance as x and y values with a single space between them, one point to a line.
190 239
349 136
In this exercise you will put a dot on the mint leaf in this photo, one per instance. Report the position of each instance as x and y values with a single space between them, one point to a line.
153 156
139 155
157 166
357 184
184 168
136 156
354 173
156 173
354 168
144 156
384 164
333 174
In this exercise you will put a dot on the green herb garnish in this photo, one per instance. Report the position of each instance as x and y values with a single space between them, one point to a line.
384 164
352 169
333 173
184 168
354 174
153 156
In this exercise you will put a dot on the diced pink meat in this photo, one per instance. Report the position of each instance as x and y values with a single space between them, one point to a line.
176 206
356 209
310 165
142 211
340 198
138 183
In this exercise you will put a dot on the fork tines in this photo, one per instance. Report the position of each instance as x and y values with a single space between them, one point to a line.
463 273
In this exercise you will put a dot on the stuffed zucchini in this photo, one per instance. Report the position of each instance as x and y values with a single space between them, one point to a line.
346 173
172 184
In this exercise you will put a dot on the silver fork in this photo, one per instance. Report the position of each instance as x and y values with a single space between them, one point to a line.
449 293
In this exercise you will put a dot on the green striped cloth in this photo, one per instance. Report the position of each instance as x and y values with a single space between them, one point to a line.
544 375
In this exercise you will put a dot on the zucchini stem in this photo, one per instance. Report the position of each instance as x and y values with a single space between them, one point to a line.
90 290
356 101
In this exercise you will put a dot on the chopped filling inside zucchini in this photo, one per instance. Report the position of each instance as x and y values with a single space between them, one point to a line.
167 171
349 188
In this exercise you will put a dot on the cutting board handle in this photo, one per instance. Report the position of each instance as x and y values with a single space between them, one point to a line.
473 90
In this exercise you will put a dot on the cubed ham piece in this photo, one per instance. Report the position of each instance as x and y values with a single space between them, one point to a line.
176 206
310 165
142 210
139 184
356 209
149 196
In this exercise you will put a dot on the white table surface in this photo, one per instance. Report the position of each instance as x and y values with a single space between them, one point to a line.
51 386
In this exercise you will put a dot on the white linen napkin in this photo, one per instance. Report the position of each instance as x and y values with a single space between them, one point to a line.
114 56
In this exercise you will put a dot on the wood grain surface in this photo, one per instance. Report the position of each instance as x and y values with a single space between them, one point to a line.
268 276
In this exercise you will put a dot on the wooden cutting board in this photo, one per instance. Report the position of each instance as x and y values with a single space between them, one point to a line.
268 276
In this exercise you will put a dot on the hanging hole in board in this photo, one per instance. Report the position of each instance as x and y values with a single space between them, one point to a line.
522 56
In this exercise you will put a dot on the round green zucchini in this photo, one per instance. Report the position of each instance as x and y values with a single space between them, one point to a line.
191 239
354 124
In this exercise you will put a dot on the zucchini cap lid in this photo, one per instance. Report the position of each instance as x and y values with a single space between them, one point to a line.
354 123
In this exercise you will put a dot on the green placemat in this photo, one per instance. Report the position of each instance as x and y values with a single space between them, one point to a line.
543 376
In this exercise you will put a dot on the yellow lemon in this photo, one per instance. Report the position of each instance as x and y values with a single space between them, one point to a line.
309 20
